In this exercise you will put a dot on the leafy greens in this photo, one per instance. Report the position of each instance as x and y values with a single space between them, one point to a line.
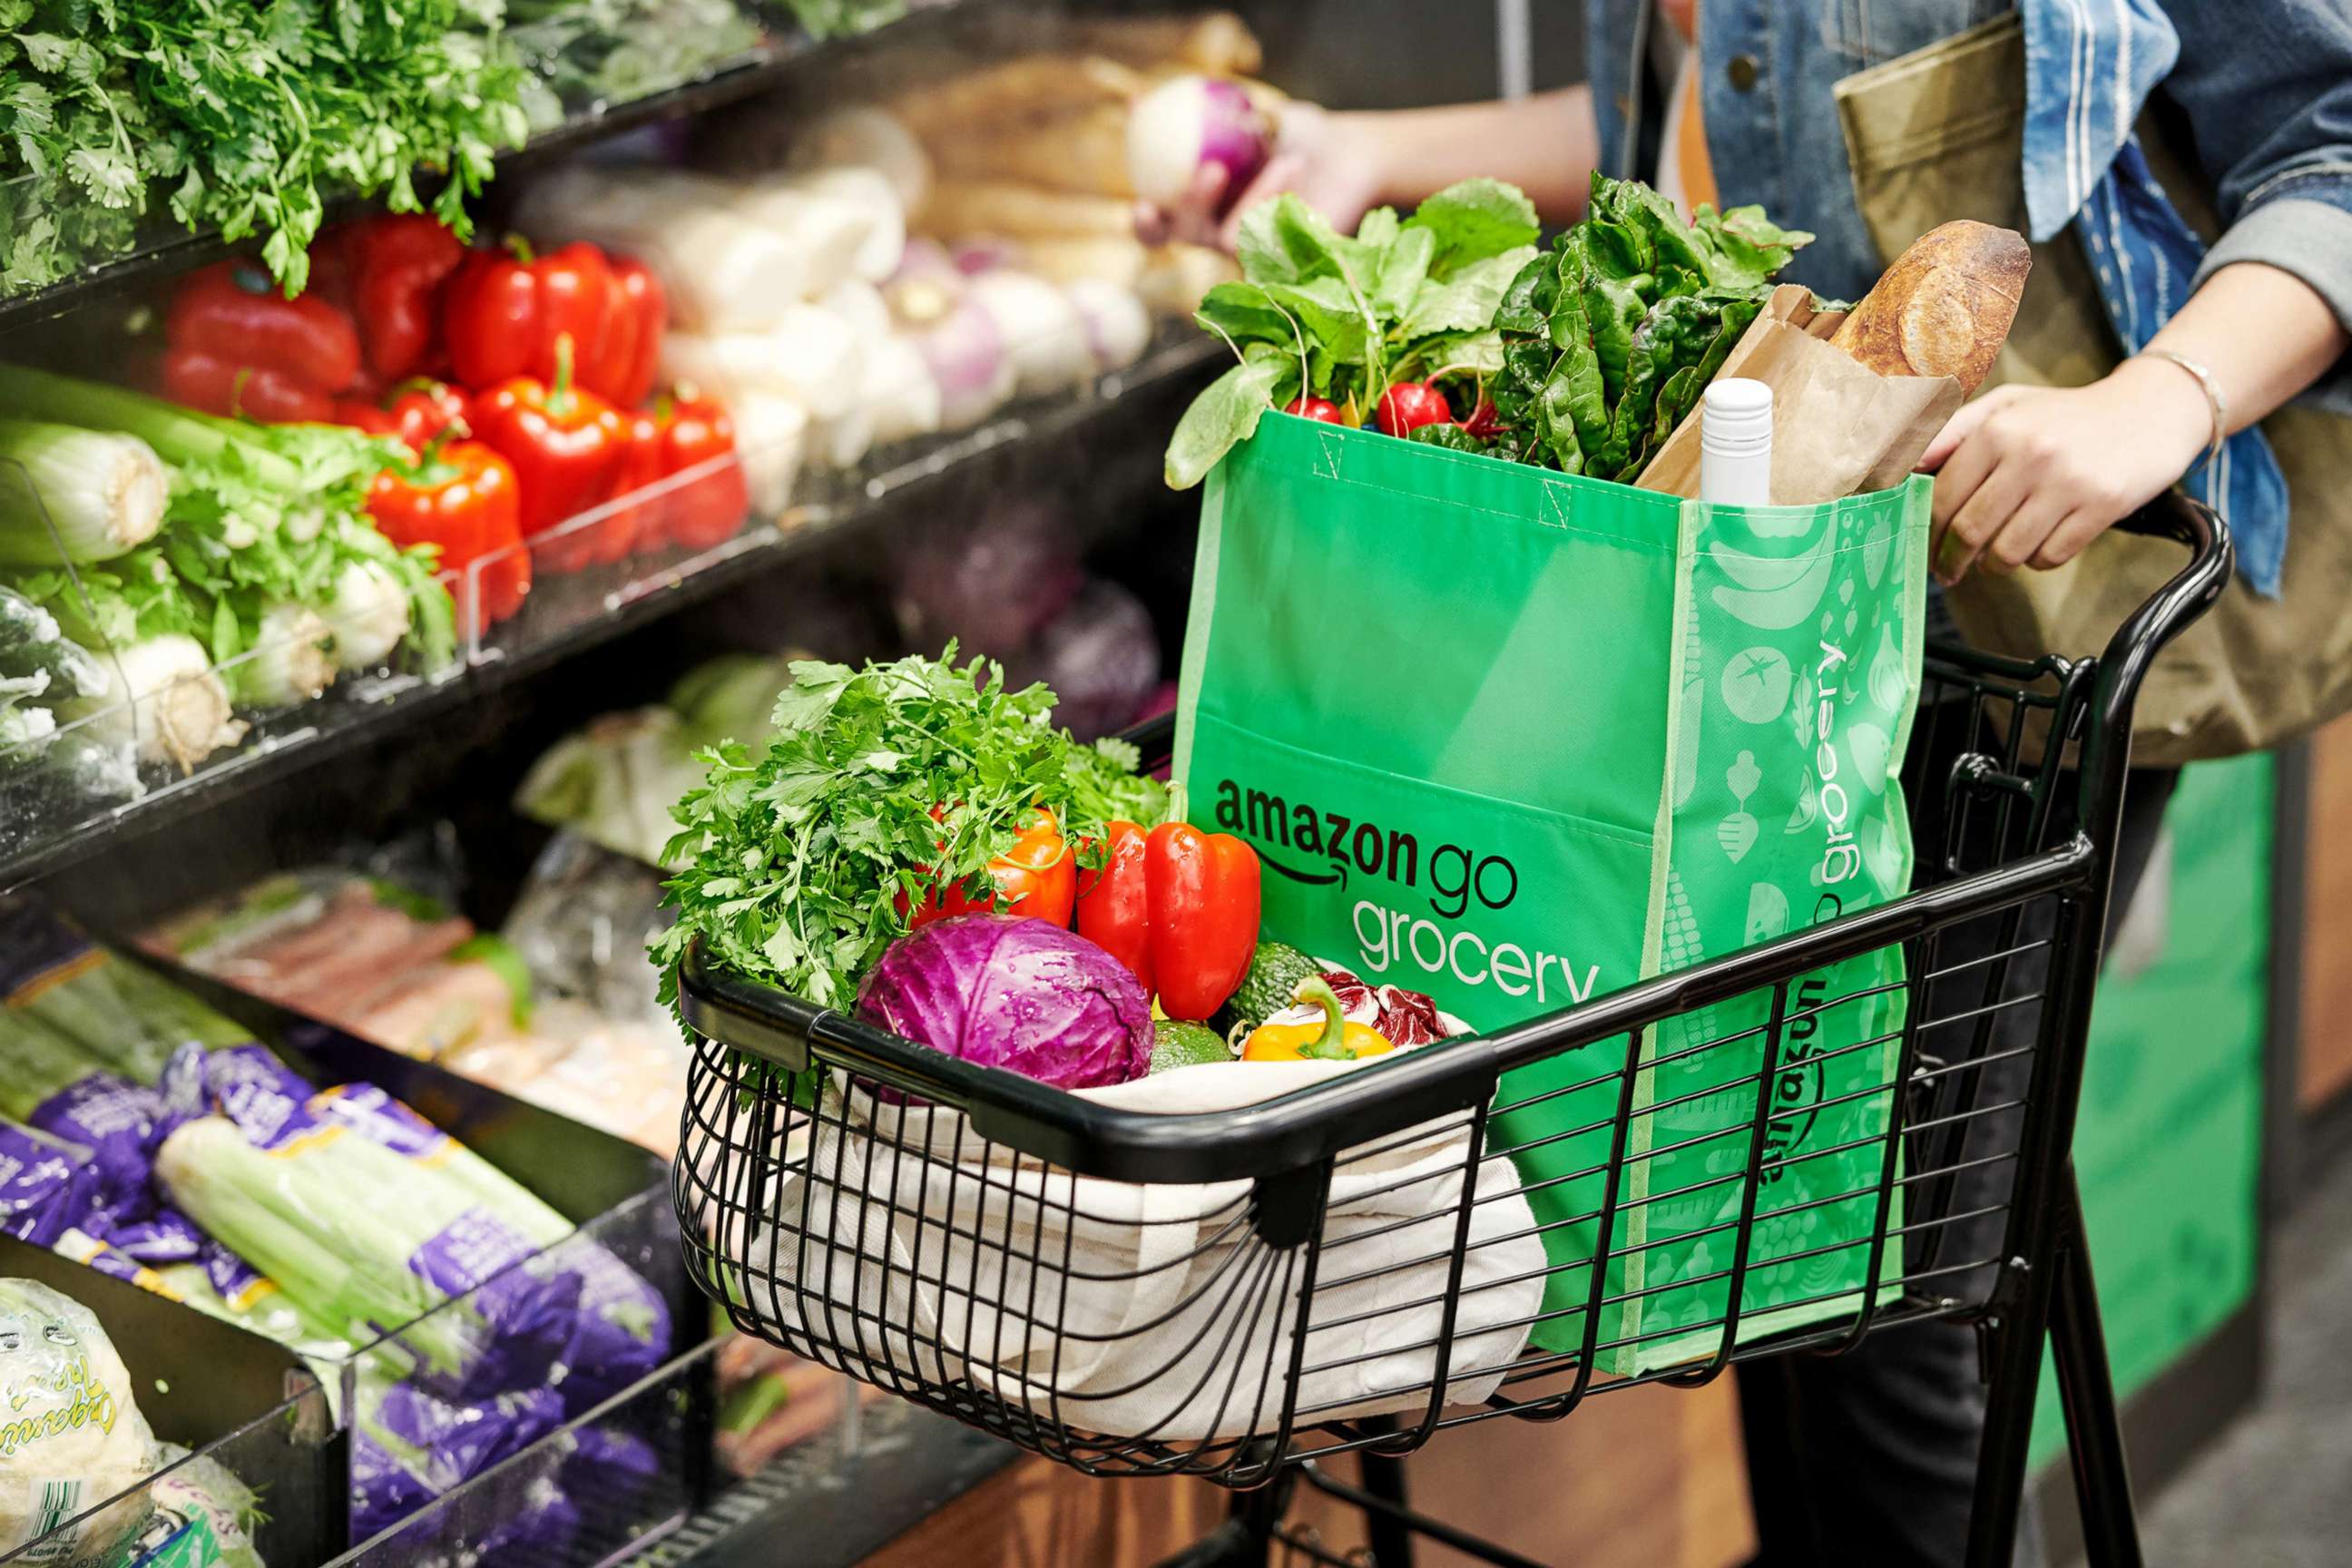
800 861
1609 337
239 115
1318 313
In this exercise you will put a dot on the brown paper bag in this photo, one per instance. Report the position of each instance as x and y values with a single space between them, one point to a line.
1838 428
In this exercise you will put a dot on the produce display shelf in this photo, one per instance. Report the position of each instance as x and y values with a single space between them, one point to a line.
584 614
172 250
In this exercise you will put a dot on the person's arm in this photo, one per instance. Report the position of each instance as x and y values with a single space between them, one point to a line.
2031 475
2027 476
1344 162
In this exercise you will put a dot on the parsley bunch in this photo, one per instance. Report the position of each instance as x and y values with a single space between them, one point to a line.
240 116
796 860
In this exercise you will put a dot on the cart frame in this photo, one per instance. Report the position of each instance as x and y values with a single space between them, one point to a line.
2044 759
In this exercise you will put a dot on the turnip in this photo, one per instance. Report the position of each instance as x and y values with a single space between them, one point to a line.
899 390
1187 123
1042 332
969 364
1117 327
927 286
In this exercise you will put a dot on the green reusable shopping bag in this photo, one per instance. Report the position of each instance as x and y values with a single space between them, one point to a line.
1516 738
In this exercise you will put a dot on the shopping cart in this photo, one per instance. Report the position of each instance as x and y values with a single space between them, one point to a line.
821 1205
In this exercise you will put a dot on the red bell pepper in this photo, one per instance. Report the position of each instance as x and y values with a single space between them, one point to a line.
692 433
463 497
1180 909
625 369
217 385
1037 877
505 309
567 446
234 344
639 526
397 264
419 411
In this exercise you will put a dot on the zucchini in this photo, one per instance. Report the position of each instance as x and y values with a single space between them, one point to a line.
1179 1045
1271 984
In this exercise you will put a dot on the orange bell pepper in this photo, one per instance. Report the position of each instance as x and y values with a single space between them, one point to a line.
1037 877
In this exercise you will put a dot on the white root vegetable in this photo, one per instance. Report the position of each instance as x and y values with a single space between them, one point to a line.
1083 151
869 193
874 139
927 286
1114 259
968 364
368 614
164 699
1042 334
1188 123
1117 327
722 269
900 395
771 438
1023 212
808 354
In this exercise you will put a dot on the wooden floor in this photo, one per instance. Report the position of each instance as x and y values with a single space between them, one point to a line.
1647 1478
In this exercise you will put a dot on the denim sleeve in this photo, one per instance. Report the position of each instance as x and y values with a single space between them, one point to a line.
2267 89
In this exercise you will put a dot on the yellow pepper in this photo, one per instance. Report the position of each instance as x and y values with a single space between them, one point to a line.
1334 1040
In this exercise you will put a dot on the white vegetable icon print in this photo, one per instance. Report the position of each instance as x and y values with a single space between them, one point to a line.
1736 833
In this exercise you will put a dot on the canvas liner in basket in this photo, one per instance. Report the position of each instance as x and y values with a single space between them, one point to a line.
1517 739
1145 1312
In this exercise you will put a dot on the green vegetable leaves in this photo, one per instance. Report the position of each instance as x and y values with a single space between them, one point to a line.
799 864
1227 414
1345 317
239 117
1611 336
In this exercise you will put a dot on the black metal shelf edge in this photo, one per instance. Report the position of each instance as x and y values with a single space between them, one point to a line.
340 724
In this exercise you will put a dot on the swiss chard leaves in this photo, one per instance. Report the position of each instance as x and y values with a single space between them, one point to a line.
1611 335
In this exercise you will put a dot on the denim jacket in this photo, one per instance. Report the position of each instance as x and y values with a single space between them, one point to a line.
2265 86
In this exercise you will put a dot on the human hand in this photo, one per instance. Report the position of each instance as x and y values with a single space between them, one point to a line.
1330 160
2028 475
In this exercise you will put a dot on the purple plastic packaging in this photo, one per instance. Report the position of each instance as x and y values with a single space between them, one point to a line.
413 1446
622 1331
44 1192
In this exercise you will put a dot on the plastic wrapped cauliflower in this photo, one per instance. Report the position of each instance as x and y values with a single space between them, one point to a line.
71 1434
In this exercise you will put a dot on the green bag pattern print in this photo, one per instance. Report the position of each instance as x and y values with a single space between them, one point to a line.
1517 739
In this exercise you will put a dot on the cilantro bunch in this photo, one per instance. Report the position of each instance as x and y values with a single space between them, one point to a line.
239 116
1323 314
800 862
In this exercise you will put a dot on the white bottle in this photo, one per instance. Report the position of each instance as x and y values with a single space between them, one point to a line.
1734 443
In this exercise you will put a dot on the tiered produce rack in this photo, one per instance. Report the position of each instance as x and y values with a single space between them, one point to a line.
356 762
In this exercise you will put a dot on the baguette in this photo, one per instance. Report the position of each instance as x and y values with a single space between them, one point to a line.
1944 308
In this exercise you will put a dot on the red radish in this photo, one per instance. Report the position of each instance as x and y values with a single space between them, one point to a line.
1189 121
1322 410
1408 405
1484 422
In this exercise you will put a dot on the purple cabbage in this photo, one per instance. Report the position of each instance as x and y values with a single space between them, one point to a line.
1006 992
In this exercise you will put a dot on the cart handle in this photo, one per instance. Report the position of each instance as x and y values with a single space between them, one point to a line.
2145 634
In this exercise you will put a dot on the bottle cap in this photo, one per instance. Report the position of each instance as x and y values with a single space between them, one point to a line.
1736 416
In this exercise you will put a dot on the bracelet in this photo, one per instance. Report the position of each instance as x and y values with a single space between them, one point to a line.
2205 383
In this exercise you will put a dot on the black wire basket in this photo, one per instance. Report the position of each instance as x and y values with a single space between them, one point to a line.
1356 1265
